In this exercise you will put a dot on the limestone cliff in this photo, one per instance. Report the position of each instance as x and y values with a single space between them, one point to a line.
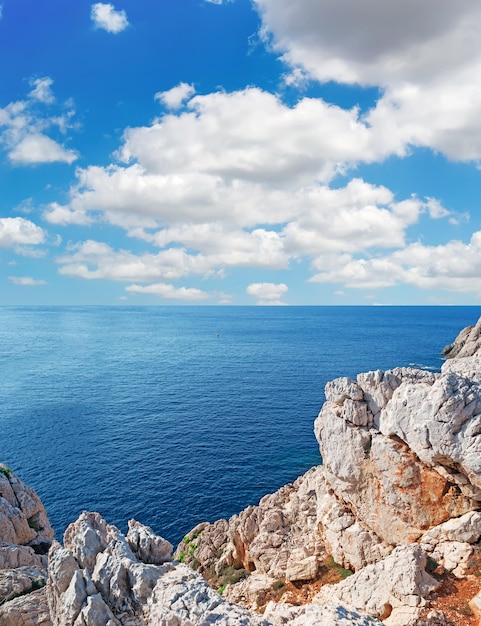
395 506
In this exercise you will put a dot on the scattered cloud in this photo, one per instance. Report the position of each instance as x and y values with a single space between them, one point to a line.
241 180
267 293
105 16
42 90
165 290
175 97
26 126
16 231
25 281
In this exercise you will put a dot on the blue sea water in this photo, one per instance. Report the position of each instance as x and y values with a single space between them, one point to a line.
177 415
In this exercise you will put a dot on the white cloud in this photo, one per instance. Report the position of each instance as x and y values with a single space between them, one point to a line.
236 180
267 293
165 290
42 90
175 97
454 266
25 127
37 148
25 281
16 231
63 215
435 209
357 217
251 135
106 17
97 260
373 42
425 55
242 180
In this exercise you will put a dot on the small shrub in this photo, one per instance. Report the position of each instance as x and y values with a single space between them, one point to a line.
222 588
38 584
192 549
6 471
182 556
431 565
277 585
342 572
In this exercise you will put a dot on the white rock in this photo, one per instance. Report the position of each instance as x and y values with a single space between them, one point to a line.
316 615
398 580
147 546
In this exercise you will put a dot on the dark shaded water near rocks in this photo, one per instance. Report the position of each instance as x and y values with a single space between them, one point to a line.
176 415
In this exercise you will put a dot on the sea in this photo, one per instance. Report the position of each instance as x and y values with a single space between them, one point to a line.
178 415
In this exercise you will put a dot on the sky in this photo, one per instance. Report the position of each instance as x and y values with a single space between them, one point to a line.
240 152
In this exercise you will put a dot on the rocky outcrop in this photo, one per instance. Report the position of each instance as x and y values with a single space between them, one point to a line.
100 578
400 581
467 343
23 519
26 536
399 456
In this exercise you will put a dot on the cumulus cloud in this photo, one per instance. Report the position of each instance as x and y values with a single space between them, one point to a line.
237 180
425 55
25 281
37 148
97 260
454 266
15 231
168 291
175 97
374 42
105 16
26 126
267 293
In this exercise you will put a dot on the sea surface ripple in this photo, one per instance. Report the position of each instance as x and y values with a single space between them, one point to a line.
177 415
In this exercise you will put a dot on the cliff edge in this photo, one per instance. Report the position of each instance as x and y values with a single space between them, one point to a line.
377 533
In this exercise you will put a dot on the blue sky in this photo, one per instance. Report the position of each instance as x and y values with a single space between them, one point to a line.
240 152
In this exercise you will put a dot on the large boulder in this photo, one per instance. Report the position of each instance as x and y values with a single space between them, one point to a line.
401 448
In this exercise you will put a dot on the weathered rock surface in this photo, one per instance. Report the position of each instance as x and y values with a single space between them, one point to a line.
27 610
316 615
397 581
97 579
467 343
384 468
23 519
451 544
26 535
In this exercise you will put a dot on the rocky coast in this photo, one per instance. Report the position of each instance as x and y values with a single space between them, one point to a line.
386 530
